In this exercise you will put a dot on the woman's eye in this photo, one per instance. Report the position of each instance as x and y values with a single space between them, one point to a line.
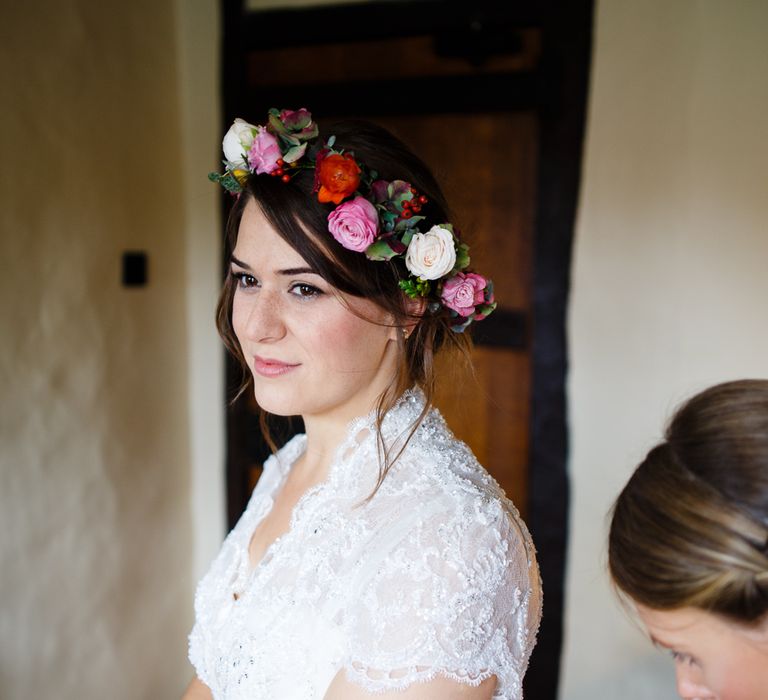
305 291
244 280
681 658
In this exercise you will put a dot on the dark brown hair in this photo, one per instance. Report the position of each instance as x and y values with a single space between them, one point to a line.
294 212
690 527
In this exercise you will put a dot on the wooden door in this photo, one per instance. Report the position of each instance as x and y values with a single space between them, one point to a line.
486 162
491 191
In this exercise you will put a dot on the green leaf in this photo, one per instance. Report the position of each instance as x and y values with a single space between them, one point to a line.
228 181
275 122
462 257
380 250
293 154
415 287
407 224
388 219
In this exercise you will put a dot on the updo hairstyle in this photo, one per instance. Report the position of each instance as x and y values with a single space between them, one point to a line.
690 528
293 210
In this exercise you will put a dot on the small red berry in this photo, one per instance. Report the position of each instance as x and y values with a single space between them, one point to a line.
280 162
416 208
286 178
279 171
407 204
423 199
407 214
414 191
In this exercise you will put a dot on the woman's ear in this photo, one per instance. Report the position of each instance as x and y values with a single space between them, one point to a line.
414 309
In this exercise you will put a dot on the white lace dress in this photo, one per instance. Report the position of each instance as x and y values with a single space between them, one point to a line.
436 574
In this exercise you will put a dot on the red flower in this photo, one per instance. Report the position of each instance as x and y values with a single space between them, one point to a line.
338 176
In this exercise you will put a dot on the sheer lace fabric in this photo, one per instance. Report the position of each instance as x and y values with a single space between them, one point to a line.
434 575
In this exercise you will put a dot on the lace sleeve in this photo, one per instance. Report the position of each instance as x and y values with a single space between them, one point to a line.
447 593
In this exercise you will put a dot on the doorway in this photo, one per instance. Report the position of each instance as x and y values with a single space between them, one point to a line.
492 96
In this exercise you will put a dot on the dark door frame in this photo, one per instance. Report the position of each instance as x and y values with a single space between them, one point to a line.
557 90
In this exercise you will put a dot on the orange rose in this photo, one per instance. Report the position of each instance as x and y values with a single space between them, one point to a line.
338 176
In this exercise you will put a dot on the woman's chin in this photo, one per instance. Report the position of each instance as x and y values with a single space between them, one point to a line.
276 404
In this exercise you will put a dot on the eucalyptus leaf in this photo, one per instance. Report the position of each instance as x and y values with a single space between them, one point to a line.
227 181
380 250
408 224
293 154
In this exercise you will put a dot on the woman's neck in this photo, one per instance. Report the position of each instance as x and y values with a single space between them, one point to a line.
326 431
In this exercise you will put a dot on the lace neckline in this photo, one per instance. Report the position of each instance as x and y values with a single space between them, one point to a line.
344 470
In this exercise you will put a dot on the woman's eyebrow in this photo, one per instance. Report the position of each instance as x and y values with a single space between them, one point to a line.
239 263
287 272
298 271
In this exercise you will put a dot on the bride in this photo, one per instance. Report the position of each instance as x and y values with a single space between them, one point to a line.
376 557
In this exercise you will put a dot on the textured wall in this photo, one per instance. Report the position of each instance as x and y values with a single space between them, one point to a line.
669 285
199 63
94 481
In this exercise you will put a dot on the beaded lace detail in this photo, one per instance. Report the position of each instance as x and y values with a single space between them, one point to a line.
435 575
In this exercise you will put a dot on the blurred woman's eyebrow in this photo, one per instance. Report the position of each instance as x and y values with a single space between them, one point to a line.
660 644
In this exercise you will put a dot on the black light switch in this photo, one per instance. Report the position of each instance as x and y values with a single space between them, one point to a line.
134 268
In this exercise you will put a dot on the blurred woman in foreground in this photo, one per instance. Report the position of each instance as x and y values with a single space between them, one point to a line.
688 537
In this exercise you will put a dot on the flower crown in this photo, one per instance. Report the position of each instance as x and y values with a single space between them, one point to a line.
372 216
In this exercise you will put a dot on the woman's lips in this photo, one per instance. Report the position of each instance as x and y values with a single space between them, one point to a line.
267 367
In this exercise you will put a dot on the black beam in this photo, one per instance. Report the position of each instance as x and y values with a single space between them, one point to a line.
566 51
265 29
433 95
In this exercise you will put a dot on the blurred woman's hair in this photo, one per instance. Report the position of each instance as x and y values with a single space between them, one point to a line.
690 528
297 216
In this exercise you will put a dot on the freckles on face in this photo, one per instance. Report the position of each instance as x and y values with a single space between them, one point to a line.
714 657
348 337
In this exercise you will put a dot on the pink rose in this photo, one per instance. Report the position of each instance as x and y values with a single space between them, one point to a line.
463 292
264 152
354 224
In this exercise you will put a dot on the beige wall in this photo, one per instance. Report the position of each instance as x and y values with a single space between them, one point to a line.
200 129
97 546
670 283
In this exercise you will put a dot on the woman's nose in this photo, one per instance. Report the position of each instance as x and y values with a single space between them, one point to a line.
265 318
690 683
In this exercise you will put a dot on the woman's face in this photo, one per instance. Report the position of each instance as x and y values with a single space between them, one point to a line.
714 658
309 354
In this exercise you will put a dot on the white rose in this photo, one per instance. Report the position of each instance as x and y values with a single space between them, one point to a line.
431 255
237 141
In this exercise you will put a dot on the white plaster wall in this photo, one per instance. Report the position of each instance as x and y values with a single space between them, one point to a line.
199 63
96 548
669 278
